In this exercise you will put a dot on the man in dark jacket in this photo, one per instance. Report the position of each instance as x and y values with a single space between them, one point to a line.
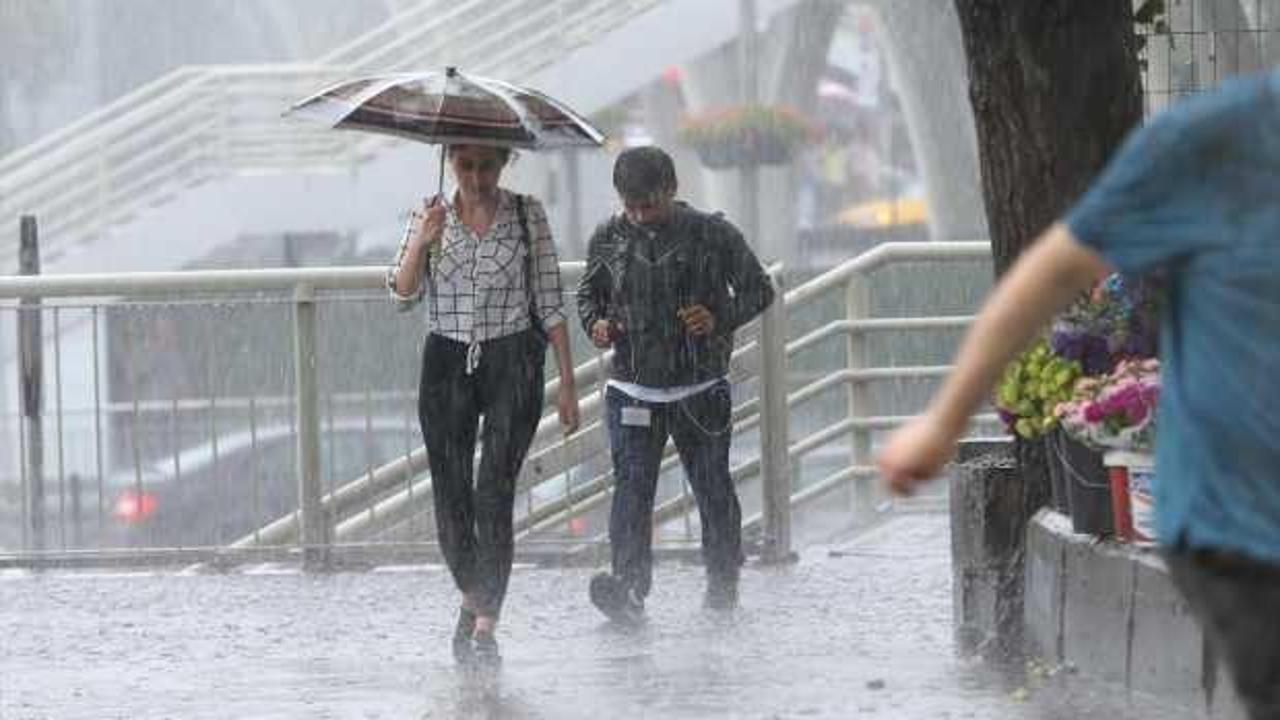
666 286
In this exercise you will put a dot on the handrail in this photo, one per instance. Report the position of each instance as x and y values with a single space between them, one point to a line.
383 498
745 415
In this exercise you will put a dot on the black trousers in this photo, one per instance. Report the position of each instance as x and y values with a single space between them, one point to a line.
1237 600
501 400
700 426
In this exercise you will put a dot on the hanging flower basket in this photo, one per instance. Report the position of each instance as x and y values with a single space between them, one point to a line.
747 135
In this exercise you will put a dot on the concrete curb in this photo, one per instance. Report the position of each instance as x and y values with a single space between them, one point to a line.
1111 610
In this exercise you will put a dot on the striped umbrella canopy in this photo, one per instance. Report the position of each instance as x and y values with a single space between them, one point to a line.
450 107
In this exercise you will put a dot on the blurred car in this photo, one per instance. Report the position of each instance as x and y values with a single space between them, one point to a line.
216 495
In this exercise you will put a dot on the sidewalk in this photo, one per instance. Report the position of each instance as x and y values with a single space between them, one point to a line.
858 630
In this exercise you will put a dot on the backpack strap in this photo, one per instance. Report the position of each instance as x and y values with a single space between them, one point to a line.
526 238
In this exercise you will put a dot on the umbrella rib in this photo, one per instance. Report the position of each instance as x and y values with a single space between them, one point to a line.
504 92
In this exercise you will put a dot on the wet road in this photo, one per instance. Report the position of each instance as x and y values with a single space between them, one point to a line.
865 633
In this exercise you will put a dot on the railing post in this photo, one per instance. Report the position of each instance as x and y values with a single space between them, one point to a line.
858 307
31 379
313 529
775 466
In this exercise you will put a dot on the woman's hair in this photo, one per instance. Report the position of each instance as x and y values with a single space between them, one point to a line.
504 153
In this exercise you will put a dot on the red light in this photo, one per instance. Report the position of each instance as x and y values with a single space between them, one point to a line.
577 525
134 507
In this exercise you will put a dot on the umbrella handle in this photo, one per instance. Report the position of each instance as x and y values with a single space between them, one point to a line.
440 188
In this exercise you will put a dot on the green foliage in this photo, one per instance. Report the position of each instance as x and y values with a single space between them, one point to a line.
1032 387
1152 13
1151 18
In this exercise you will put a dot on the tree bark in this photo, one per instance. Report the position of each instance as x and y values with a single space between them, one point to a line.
1055 87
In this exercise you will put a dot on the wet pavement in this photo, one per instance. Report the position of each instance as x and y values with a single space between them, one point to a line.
860 633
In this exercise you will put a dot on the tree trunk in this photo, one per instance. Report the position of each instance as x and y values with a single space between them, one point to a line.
1055 87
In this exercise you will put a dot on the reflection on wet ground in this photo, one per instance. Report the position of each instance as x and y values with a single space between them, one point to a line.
864 633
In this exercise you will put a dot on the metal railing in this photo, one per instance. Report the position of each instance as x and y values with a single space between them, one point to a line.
199 123
812 383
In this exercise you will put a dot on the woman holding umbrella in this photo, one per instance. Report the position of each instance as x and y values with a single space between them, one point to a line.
488 263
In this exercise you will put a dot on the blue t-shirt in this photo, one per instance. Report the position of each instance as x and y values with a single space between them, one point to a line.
1196 194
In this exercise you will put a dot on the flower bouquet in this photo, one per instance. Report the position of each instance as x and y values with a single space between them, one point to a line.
1117 320
1116 411
1033 385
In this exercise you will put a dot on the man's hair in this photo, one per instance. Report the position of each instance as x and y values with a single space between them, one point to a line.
641 172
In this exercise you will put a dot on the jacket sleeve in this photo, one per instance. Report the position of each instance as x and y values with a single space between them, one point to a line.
594 286
751 285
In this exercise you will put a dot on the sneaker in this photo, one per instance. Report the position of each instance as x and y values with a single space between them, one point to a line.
486 649
721 595
618 601
463 651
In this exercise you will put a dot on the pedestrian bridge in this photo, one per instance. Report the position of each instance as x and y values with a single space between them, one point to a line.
859 627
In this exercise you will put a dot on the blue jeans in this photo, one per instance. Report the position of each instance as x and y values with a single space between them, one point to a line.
701 427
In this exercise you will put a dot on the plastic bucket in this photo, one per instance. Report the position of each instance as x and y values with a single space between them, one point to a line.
1059 495
1132 478
1088 487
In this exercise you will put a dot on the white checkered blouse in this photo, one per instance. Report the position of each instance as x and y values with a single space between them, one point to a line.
476 285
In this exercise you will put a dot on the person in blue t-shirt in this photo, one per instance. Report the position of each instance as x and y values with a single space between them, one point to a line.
1196 195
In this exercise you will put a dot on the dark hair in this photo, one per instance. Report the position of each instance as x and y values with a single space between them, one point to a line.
504 153
643 171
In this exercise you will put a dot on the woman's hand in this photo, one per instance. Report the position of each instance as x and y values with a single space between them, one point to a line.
567 406
432 227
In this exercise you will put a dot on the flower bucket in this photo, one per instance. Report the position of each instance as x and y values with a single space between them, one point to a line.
1133 503
1088 487
1059 498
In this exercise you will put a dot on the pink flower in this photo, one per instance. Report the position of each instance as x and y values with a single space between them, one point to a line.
1094 412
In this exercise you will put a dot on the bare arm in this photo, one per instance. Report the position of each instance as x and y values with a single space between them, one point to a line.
567 401
408 272
1044 280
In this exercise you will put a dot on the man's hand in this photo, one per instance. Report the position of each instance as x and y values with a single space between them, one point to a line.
697 320
602 333
567 407
916 453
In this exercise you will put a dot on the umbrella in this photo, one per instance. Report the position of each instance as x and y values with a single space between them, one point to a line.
450 107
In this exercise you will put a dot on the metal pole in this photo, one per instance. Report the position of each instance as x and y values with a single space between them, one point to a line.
858 307
774 435
748 172
573 195
31 375
313 535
